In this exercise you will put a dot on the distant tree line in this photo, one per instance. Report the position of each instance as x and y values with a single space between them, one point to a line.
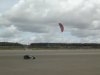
10 44
50 45
64 45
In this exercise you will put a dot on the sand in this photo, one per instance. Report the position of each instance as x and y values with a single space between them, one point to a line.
62 62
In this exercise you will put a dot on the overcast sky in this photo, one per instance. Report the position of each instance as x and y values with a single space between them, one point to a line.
36 21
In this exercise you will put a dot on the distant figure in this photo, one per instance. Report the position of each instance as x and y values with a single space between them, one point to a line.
29 57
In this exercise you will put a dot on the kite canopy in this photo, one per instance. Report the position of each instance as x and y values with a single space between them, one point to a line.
61 27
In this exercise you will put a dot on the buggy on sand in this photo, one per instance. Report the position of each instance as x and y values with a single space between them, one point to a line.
29 57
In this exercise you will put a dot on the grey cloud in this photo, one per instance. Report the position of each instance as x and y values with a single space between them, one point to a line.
85 33
80 17
41 11
51 38
8 32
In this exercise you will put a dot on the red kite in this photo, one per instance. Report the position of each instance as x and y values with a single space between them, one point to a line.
61 27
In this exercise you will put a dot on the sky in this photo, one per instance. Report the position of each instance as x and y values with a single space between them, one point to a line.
36 21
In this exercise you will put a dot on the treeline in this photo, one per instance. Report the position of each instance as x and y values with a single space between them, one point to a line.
64 45
50 45
10 44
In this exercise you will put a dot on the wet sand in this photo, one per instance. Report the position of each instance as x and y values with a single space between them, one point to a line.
70 62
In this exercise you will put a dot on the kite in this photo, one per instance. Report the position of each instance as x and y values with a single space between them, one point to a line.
61 27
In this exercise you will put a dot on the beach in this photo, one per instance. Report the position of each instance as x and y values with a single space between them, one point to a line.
50 62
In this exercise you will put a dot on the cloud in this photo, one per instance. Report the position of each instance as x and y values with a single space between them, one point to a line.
40 15
80 18
9 31
52 38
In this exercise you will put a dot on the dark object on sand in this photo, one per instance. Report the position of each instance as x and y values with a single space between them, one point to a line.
29 57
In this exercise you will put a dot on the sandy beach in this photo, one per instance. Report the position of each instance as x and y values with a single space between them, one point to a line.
50 62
